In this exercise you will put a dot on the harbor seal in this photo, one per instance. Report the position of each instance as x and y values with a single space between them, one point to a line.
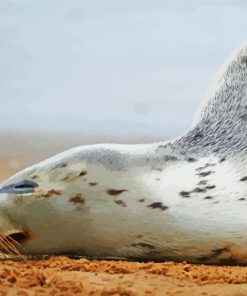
184 199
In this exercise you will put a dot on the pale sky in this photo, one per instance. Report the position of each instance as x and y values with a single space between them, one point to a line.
112 67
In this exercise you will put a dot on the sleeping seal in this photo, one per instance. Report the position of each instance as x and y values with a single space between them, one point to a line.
185 199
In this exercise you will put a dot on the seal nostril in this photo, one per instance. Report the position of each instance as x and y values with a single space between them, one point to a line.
18 237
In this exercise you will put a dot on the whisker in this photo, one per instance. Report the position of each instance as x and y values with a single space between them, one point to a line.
8 245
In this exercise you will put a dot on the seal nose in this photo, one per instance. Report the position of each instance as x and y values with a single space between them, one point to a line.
17 235
11 241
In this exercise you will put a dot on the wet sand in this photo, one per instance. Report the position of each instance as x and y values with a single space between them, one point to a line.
64 276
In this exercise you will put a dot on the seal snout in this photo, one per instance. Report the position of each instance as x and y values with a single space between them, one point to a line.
17 235
10 241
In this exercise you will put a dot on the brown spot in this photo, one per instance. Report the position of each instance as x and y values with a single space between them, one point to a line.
92 183
244 179
115 192
139 236
143 245
34 177
204 174
77 199
141 200
120 202
51 192
82 173
185 194
158 205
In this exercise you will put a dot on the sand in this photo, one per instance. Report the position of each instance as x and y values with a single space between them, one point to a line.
65 276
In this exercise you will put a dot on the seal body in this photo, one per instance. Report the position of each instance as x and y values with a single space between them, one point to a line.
184 199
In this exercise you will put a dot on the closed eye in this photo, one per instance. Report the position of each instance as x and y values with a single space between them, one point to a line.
22 187
25 184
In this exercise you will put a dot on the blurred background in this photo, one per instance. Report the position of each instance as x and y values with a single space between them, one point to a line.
78 72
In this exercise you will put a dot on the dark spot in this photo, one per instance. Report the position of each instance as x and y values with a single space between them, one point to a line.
210 187
185 194
115 191
222 159
141 200
197 136
208 144
208 197
202 182
200 168
63 165
120 202
157 179
191 159
170 158
77 199
34 177
242 198
51 192
158 205
204 174
92 183
218 252
205 166
198 189
143 245
139 236
204 258
82 173
244 179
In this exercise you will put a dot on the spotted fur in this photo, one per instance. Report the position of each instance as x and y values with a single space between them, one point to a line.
183 199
